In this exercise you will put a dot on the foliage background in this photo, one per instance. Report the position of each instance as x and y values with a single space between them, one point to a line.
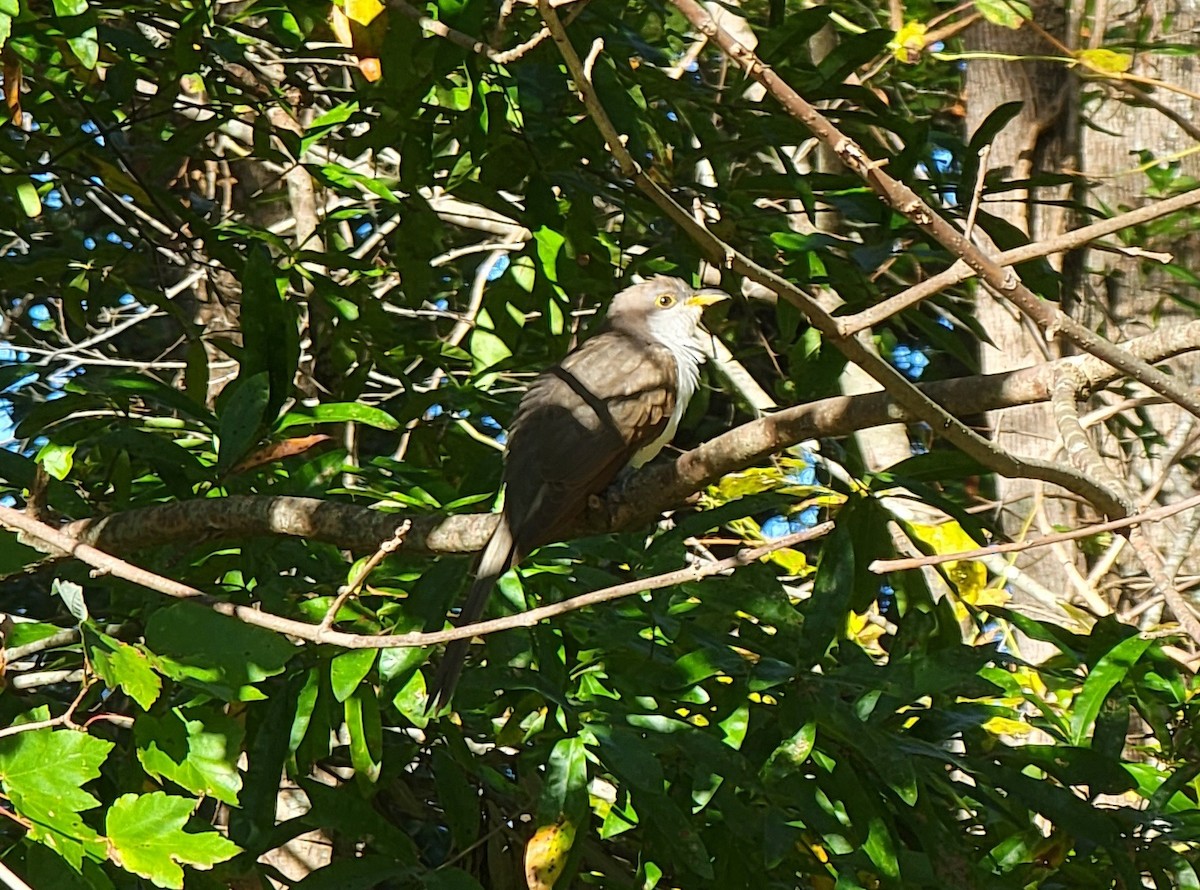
236 265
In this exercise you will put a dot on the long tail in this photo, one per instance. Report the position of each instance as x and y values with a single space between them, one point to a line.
497 558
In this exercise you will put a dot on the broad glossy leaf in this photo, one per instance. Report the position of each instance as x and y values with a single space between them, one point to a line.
148 838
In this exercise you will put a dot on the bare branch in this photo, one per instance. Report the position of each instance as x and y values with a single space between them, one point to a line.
960 271
45 537
883 566
904 200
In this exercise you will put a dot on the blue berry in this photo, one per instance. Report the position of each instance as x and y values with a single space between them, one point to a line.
887 595
498 268
805 519
776 527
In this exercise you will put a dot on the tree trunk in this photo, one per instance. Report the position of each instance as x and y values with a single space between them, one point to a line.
1040 139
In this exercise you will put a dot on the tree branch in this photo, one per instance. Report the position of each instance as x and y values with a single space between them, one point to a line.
44 537
904 200
661 486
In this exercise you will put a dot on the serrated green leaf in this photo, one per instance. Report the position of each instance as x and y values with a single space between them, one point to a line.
121 665
196 748
43 772
222 654
148 839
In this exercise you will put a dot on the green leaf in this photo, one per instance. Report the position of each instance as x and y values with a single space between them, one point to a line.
347 670
791 754
1007 13
458 797
27 195
56 459
1105 61
242 421
344 810
43 772
148 839
338 412
1108 672
86 48
72 597
366 734
121 665
196 748
832 589
270 334
524 272
549 246
881 848
487 349
70 7
564 792
220 653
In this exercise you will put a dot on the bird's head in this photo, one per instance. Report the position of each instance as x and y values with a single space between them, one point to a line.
666 308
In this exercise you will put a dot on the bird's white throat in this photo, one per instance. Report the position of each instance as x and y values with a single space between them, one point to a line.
689 355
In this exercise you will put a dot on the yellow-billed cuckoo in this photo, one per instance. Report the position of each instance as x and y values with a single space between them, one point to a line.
613 402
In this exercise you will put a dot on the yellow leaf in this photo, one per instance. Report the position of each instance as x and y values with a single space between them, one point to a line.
992 596
738 485
791 561
1005 726
546 853
969 577
909 42
360 26
1105 61
363 11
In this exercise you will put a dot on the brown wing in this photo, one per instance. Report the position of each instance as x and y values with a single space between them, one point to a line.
578 425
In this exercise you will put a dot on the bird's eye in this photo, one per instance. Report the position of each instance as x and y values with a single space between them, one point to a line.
664 301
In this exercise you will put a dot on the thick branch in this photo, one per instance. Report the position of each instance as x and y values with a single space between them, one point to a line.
858 349
659 487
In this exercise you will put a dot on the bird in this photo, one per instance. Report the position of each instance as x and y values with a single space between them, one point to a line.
611 403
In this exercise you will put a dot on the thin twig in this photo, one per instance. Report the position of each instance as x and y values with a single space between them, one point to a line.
387 547
44 537
882 566
960 271
10 880
977 193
